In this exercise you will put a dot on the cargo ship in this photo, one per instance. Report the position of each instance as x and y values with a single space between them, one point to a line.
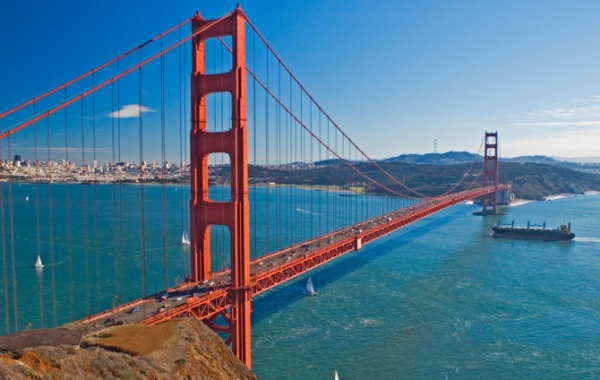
533 232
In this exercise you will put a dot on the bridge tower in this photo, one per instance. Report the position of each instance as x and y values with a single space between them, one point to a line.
490 173
233 214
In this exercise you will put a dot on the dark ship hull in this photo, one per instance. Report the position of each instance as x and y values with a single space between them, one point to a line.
533 233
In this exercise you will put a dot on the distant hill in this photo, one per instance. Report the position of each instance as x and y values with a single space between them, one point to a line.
533 159
531 177
448 158
579 160
454 158
579 167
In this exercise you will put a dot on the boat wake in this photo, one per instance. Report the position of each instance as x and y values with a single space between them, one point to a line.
585 239
306 211
518 203
557 197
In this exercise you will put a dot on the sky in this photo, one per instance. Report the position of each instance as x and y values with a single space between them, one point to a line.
394 75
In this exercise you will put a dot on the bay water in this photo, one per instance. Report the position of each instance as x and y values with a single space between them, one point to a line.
440 298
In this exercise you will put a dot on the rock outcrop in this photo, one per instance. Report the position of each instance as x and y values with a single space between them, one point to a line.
178 349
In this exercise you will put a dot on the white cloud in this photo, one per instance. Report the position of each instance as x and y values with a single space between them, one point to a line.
130 110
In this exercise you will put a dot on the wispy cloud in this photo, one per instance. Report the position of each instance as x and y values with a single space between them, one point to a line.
570 113
593 123
580 113
130 110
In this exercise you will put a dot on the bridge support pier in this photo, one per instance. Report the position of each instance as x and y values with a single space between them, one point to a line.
235 213
490 175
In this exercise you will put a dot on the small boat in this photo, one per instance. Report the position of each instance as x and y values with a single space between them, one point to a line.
26 199
310 290
38 263
335 376
185 240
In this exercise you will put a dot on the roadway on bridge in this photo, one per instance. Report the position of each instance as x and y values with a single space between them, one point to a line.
178 297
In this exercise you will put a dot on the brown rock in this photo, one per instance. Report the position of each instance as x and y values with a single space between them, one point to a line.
178 349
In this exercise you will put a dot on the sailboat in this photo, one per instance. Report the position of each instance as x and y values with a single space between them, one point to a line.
184 239
26 199
335 376
38 263
310 290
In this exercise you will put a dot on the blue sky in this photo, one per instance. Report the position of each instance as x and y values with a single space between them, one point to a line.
393 74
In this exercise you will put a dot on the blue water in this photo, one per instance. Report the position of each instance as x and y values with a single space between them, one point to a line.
113 243
437 299
442 299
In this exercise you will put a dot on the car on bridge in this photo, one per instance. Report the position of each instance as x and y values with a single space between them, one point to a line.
134 310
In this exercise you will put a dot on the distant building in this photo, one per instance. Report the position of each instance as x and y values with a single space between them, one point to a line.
17 158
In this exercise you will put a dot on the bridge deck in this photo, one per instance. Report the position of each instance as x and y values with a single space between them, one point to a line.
211 297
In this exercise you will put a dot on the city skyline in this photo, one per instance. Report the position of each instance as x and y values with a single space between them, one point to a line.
449 71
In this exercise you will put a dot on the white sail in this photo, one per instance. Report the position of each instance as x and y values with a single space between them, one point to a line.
184 239
38 263
310 290
335 377
26 199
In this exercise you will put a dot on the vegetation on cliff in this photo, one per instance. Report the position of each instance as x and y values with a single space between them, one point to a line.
529 180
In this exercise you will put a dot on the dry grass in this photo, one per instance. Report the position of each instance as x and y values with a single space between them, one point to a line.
136 339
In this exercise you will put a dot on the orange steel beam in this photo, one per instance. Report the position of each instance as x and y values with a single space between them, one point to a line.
218 301
234 214
490 172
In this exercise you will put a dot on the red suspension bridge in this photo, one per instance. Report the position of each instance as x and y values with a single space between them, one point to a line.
270 188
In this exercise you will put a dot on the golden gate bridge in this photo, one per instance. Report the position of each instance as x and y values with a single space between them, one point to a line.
244 132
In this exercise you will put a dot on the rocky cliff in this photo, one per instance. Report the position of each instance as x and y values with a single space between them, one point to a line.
177 349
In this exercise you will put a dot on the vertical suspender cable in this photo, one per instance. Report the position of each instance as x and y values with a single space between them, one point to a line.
330 209
302 169
85 212
94 163
4 262
114 189
338 200
267 192
181 167
320 200
278 155
68 206
141 171
121 245
12 247
311 162
51 231
120 186
289 153
164 166
37 223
